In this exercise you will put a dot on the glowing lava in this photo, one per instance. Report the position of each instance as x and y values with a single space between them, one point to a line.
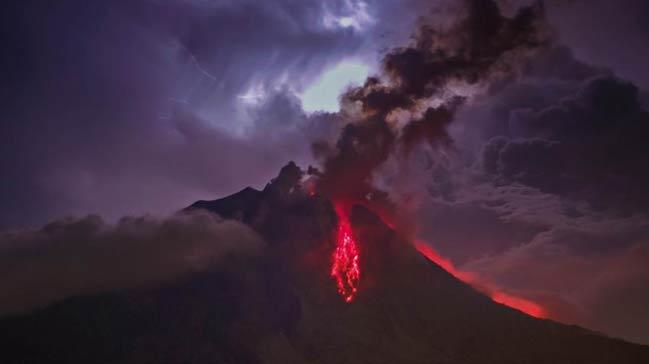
503 298
345 268
518 303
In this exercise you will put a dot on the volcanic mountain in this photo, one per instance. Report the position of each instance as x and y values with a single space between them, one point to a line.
287 305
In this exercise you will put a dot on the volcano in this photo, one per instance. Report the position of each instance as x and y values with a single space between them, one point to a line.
332 286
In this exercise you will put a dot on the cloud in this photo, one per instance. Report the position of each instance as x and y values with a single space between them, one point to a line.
544 197
588 146
605 33
583 265
585 274
102 100
124 107
81 256
417 82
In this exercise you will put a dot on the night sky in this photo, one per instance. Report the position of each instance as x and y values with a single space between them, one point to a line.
533 175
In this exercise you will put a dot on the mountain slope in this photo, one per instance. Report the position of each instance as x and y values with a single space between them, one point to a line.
283 307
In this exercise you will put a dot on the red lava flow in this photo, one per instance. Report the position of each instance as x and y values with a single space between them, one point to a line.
526 306
346 266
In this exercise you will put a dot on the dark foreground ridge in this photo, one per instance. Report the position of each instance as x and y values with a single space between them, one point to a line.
282 307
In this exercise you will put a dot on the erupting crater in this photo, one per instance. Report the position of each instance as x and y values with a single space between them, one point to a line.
345 268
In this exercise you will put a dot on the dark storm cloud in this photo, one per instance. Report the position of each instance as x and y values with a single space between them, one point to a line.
551 75
74 257
480 44
606 33
589 146
545 194
556 205
130 106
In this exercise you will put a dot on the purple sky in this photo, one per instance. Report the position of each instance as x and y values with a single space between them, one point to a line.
144 106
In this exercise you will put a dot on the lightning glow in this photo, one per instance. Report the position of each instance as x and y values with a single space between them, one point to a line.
355 15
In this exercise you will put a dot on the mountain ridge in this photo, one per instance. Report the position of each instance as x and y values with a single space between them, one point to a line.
283 307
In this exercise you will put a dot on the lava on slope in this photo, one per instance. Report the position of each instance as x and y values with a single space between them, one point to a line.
526 306
345 267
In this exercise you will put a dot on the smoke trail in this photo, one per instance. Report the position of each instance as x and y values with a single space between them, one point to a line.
416 98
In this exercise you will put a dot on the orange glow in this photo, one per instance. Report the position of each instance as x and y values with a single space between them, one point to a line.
427 251
520 304
346 267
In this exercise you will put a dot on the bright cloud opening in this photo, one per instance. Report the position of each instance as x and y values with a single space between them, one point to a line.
355 16
323 94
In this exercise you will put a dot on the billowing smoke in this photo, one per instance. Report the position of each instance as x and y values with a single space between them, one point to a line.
421 88
415 99
75 257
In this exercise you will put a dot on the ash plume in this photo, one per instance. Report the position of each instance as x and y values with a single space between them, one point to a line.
418 92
